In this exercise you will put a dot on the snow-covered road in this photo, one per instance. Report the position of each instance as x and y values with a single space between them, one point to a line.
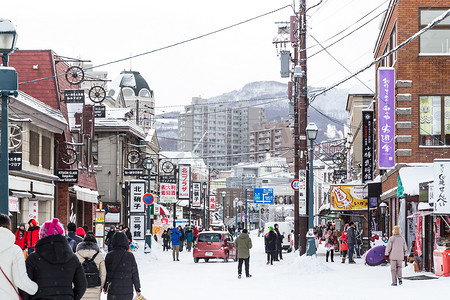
292 278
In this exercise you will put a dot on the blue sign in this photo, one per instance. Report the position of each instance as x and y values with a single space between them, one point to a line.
148 199
263 196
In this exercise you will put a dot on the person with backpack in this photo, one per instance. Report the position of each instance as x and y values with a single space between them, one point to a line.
189 238
21 237
32 235
121 270
330 241
270 241
94 268
54 266
13 273
182 237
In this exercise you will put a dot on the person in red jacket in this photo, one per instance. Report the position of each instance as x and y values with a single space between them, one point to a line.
195 233
32 235
21 236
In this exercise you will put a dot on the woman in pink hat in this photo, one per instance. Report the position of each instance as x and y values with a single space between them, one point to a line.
54 266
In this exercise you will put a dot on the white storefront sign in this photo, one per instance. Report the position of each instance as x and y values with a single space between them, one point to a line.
13 204
196 194
441 193
302 192
168 192
137 227
33 209
137 190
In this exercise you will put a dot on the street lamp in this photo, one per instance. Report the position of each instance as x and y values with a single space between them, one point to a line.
235 214
8 87
311 132
383 208
204 186
224 194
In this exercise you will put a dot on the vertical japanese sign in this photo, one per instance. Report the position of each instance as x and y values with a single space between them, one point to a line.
137 190
137 227
196 194
33 210
441 193
386 118
302 192
167 192
212 202
367 145
184 182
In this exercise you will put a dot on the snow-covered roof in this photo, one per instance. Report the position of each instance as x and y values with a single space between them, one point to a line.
116 118
324 207
412 176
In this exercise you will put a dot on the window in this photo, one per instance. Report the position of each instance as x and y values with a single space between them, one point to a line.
95 150
34 148
392 45
434 120
437 39
46 152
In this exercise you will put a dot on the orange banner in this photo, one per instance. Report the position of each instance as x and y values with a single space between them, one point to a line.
348 197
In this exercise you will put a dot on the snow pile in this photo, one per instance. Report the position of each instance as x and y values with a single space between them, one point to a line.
308 265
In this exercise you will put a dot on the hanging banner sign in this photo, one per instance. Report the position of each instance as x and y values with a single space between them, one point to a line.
167 192
302 192
196 194
68 176
33 210
367 146
137 227
15 161
386 118
137 190
212 202
74 96
99 216
441 193
348 197
184 182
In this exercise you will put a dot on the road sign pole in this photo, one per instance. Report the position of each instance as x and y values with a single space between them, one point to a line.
246 208
148 232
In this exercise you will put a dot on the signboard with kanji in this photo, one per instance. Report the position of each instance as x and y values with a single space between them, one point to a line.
348 197
302 192
137 227
212 202
137 190
196 194
167 192
367 145
33 209
100 216
386 118
263 196
441 193
184 182
15 161
74 96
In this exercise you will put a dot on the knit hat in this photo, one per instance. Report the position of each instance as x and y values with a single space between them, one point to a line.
396 230
22 224
270 228
51 228
80 231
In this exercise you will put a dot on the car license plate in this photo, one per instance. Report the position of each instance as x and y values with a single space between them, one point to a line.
208 253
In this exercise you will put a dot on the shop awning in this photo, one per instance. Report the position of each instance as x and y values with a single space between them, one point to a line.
20 194
162 210
85 194
410 177
420 213
43 197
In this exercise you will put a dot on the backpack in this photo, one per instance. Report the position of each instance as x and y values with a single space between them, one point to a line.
91 272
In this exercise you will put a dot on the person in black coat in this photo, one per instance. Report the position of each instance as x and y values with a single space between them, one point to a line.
279 243
111 232
270 240
121 270
54 266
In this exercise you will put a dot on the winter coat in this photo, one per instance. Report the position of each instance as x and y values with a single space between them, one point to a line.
243 244
109 237
189 236
129 237
195 232
21 239
279 238
56 270
166 237
12 262
32 236
396 248
175 237
330 242
121 269
271 241
78 239
88 250
351 237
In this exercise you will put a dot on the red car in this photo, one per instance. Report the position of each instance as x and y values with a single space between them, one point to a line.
214 244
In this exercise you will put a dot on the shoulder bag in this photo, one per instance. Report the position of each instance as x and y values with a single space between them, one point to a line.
108 281
11 284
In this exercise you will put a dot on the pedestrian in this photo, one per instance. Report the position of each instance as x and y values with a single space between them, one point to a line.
182 237
243 244
21 237
330 241
189 238
111 232
344 245
351 241
396 251
128 234
270 240
166 240
80 232
32 235
88 253
280 237
121 270
12 265
175 236
54 266
195 232
71 233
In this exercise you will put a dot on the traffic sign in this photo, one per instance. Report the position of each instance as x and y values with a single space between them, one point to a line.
295 184
148 199
263 196
245 216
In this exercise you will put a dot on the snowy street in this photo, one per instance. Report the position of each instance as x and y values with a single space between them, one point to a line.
292 278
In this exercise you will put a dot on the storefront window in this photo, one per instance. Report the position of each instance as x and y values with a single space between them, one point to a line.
434 120
437 39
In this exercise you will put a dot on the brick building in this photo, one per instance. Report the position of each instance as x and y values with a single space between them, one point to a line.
421 131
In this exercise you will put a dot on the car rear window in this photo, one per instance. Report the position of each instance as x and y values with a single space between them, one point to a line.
209 237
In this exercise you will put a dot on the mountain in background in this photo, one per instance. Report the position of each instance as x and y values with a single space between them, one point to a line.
327 111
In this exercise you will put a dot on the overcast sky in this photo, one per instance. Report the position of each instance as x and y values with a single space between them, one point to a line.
103 31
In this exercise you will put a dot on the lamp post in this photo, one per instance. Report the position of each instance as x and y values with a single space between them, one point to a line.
311 132
235 215
383 208
224 194
8 87
204 186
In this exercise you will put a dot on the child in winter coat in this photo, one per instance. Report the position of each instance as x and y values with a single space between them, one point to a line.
396 252
21 236
12 264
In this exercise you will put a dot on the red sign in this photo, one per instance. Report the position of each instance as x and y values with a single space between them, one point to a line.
165 221
295 184
148 199
184 184
212 202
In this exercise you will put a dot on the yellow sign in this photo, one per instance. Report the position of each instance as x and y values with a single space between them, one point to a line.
100 216
157 230
348 197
